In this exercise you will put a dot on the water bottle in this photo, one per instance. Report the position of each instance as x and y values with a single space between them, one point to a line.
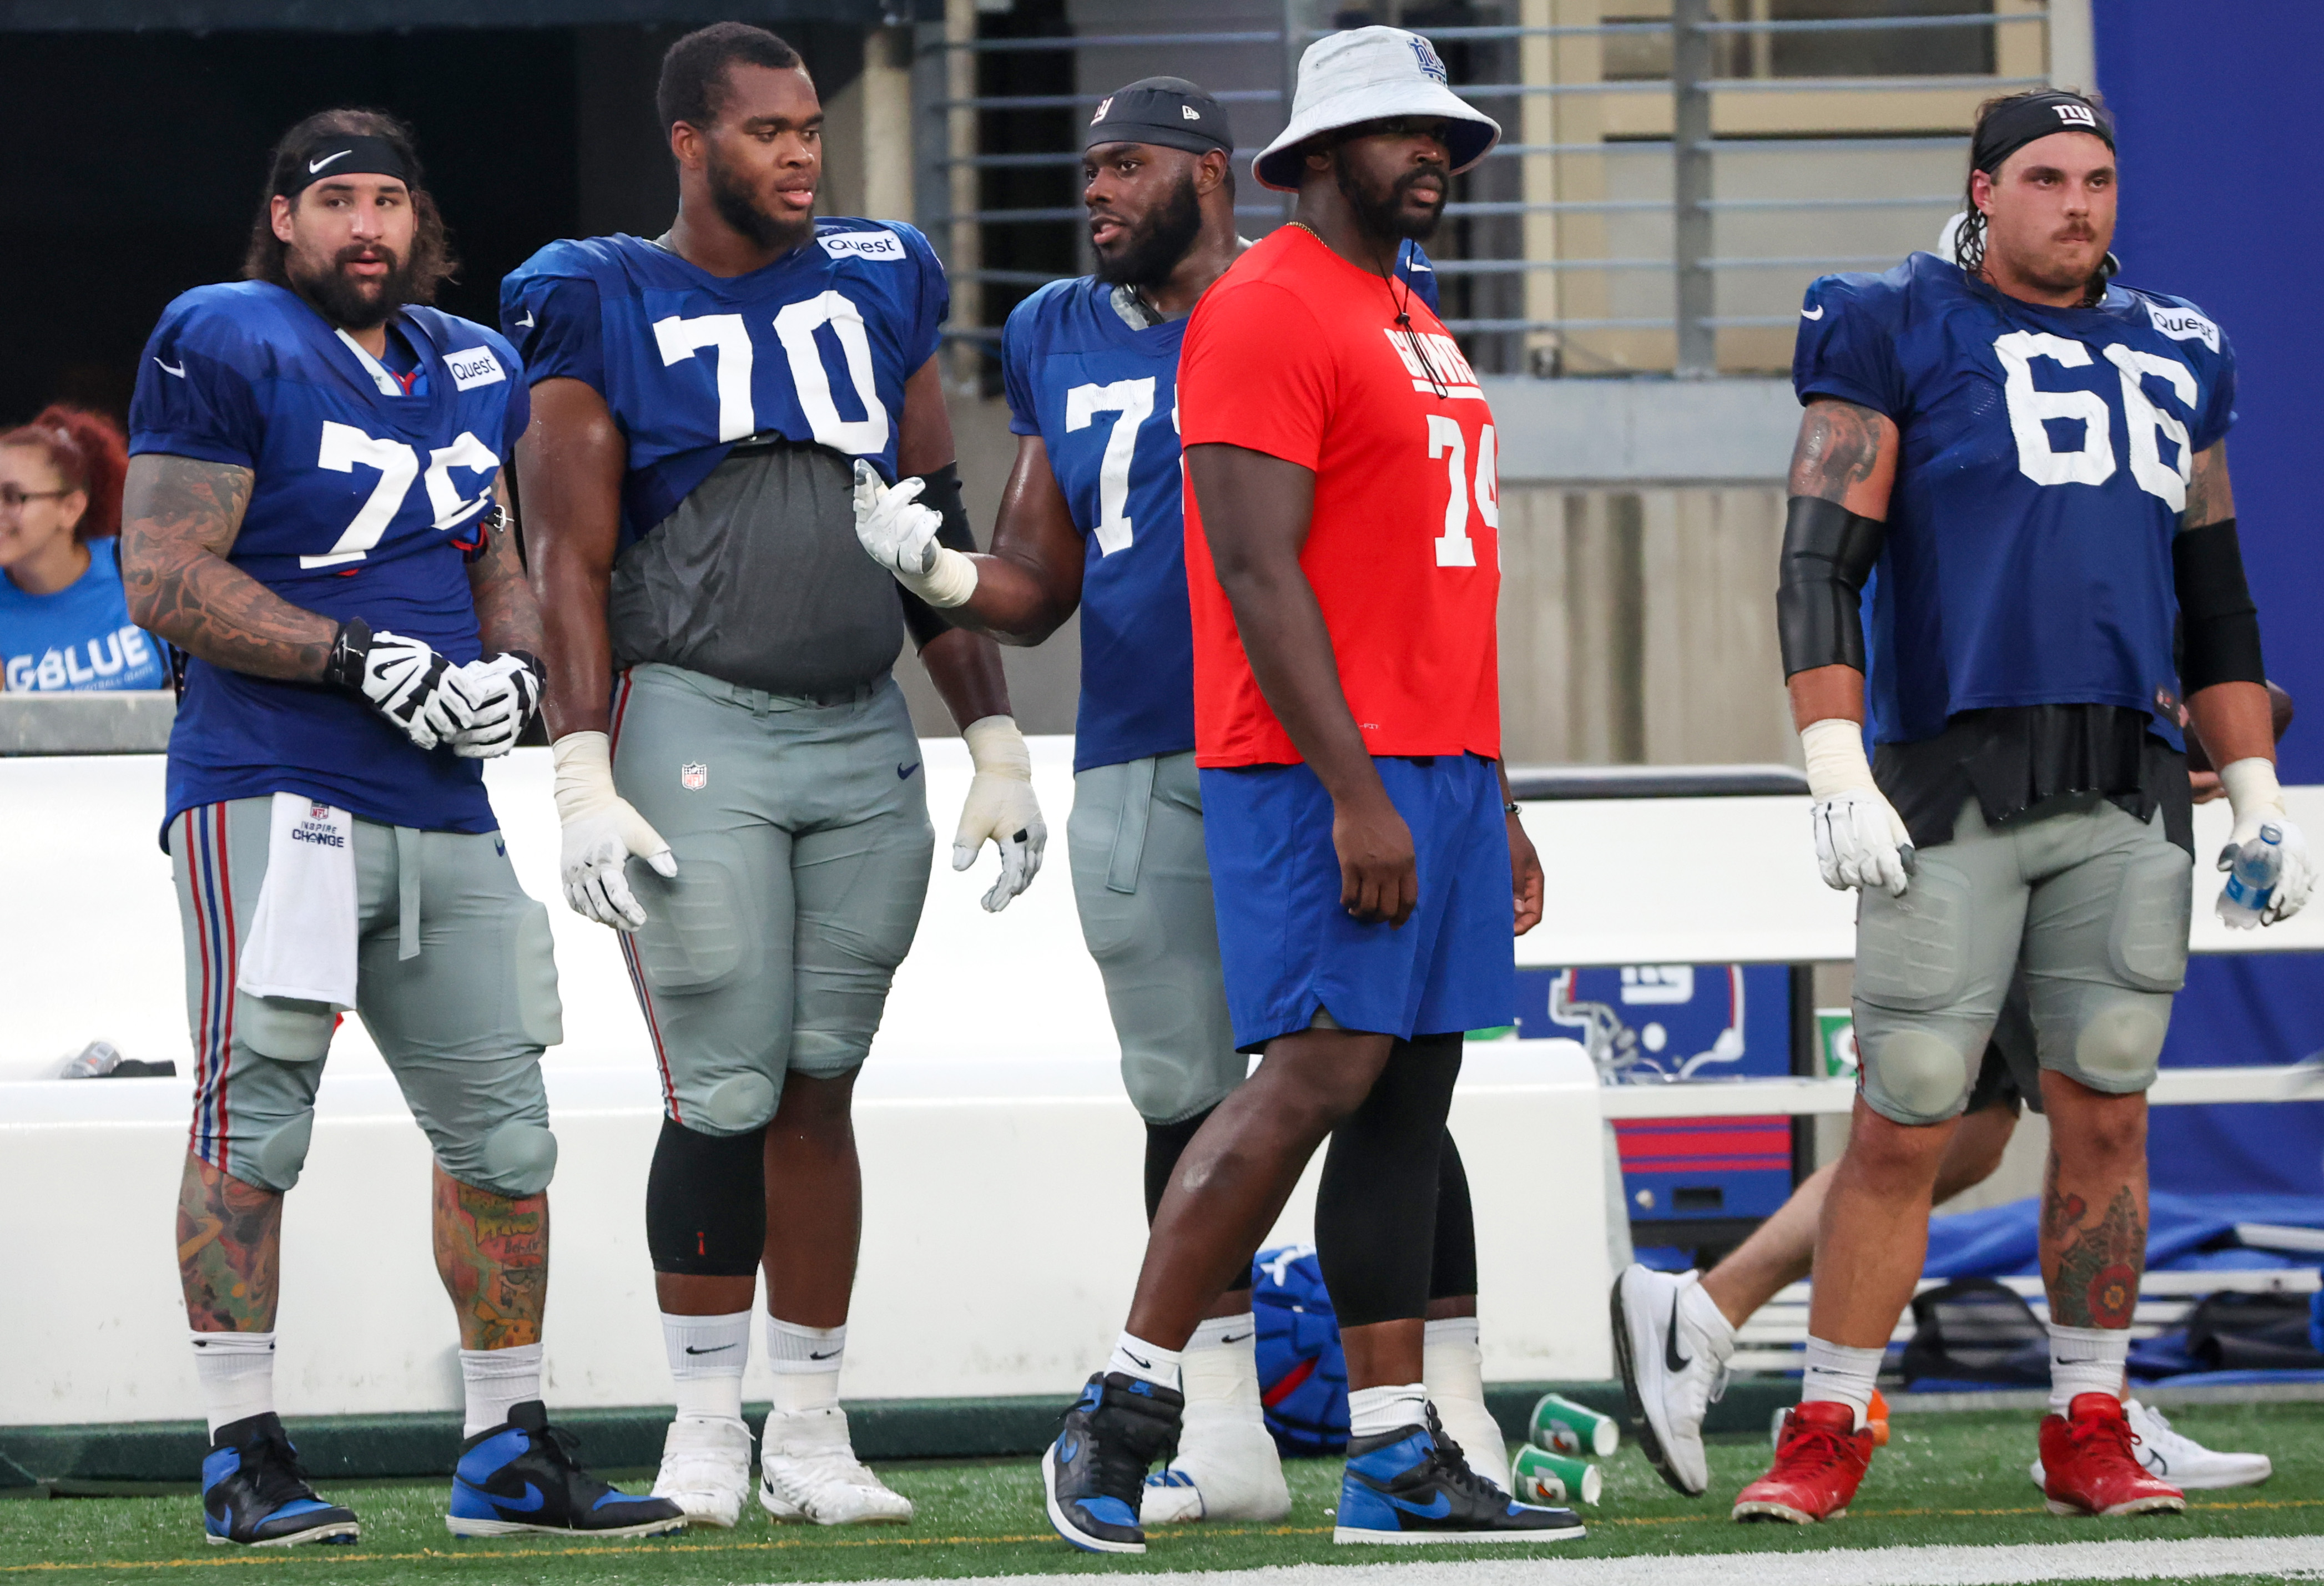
2252 878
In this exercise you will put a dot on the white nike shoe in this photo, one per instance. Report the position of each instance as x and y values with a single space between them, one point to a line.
1226 1469
1473 1430
706 1469
808 1470
1673 1346
2178 1459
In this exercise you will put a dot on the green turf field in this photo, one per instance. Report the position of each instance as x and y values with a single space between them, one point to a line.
1944 1479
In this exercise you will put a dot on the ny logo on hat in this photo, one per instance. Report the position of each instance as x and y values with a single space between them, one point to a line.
1430 65
1104 105
2075 114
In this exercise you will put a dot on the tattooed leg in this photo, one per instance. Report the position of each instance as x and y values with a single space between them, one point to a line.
229 1250
492 1252
2093 1204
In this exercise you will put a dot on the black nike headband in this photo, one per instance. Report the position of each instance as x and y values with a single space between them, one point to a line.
1166 110
342 154
2016 123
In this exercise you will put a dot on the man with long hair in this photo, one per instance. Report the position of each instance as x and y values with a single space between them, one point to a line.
2033 458
736 772
312 515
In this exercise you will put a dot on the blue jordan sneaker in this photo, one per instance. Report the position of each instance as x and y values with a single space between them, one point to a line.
1411 1485
526 1475
1094 1473
255 1494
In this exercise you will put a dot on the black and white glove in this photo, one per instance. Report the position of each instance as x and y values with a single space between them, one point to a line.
1000 809
1861 841
503 691
404 679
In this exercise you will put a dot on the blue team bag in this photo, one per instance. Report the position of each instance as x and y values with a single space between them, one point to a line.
1302 1376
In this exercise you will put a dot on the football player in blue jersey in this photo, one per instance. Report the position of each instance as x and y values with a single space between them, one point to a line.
737 774
311 515
2027 462
1091 520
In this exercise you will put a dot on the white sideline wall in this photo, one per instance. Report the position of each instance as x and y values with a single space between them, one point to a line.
1002 1214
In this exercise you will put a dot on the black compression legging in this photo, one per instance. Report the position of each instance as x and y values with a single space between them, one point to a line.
1451 1267
1379 1205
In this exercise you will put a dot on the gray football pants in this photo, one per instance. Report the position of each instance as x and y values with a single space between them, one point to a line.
455 980
1143 886
802 840
2089 906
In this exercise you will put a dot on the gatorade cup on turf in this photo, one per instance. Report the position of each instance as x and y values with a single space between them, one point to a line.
1562 1426
1541 1476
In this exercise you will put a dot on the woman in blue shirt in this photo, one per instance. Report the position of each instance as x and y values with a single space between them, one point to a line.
63 621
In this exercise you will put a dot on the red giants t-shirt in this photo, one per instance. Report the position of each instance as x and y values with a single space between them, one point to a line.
1297 354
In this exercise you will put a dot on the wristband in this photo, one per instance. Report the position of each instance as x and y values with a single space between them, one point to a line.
1834 748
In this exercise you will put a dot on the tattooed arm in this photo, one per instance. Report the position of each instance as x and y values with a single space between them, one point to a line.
1845 454
179 519
507 618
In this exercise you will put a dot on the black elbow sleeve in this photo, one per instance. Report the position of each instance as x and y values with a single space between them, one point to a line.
941 491
2218 619
1828 553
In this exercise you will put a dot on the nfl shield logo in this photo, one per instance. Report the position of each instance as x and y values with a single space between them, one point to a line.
321 812
694 776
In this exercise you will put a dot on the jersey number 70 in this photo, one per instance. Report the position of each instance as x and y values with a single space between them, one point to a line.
728 338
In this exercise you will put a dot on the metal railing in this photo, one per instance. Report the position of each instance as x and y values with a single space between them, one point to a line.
1581 298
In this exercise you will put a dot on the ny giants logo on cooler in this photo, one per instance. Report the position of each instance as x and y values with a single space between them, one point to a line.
1423 352
694 776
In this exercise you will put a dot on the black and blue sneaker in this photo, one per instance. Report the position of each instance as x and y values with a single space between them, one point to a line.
1412 1486
255 1494
1094 1473
526 1475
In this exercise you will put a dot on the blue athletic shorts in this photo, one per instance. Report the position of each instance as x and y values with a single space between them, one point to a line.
1290 948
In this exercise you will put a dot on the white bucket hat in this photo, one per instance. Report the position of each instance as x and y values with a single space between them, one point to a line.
1368 74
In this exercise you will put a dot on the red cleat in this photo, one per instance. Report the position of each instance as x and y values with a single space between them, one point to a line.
1818 1460
2090 1469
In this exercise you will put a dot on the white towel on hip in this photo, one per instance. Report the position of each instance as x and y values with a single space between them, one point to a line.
303 935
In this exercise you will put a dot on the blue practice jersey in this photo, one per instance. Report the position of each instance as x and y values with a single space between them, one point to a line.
357 494
2044 460
1103 397
814 347
79 638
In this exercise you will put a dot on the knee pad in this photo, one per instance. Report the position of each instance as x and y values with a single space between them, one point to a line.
1914 1076
706 1201
518 1159
275 1160
2119 1044
741 1103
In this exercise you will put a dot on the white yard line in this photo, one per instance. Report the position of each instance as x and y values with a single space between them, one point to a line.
2152 1559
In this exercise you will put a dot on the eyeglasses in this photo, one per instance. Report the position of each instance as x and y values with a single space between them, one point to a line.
13 500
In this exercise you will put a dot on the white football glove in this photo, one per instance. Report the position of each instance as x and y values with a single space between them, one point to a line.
602 833
403 680
1861 841
503 690
901 535
2256 799
1000 807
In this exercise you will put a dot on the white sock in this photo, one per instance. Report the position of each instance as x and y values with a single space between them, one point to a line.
1138 1358
1219 1364
707 1357
1836 1374
806 1361
496 1380
1451 1361
237 1372
1374 1410
2086 1359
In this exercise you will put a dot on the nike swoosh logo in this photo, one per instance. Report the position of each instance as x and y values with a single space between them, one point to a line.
1817 315
527 321
824 1355
1671 1357
180 370
1066 1449
1148 1364
533 1500
904 772
1435 1509
315 165
713 1349
1234 1337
